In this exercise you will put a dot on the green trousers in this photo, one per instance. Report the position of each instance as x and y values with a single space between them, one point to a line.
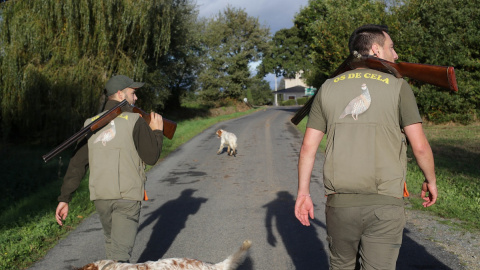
119 220
365 237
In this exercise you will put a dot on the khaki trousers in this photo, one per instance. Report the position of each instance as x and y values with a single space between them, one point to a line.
366 237
119 220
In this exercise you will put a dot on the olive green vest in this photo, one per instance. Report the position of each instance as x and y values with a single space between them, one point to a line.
116 170
366 155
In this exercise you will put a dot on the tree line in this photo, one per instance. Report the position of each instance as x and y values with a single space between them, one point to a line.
437 32
55 56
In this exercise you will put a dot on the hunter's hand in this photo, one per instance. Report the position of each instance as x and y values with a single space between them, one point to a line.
156 121
61 212
303 209
431 198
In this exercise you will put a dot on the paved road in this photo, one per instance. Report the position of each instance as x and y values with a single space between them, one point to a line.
203 205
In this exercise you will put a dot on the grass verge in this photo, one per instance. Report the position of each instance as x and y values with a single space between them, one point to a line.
456 150
27 226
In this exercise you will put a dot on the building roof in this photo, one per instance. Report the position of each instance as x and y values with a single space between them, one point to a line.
295 89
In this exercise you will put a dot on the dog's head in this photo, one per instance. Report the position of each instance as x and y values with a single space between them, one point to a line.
219 133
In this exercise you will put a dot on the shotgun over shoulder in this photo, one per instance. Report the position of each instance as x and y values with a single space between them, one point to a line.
441 76
169 128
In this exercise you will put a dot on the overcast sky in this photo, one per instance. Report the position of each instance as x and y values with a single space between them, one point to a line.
276 14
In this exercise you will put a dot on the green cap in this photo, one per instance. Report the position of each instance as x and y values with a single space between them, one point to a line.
120 82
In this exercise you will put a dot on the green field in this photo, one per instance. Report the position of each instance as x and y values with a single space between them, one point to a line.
456 150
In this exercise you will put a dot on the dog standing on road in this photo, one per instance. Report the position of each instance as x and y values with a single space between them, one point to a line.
229 139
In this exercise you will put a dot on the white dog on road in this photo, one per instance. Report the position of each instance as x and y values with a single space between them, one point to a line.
229 139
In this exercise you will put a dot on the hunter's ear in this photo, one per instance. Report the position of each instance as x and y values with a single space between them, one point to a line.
374 50
120 95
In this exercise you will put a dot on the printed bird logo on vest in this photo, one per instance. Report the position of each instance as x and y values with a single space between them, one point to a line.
107 135
359 104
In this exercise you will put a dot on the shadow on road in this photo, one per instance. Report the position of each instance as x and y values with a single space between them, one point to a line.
308 252
292 109
170 220
415 256
302 243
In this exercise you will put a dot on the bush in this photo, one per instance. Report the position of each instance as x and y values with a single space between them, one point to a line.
289 102
292 102
302 101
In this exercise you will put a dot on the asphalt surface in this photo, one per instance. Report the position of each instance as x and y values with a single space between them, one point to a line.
203 206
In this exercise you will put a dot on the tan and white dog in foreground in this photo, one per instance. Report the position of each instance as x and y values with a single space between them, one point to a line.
229 139
231 263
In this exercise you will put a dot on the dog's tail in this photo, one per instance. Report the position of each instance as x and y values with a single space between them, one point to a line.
234 260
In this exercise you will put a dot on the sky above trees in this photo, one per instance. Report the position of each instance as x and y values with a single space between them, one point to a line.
275 14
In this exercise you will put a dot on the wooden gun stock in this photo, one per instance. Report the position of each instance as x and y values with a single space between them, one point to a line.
441 76
169 126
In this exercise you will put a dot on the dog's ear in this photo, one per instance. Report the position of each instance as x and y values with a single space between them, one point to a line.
90 266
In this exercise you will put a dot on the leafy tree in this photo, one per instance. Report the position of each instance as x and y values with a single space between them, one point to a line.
326 25
281 85
233 40
57 55
287 54
431 32
180 65
261 93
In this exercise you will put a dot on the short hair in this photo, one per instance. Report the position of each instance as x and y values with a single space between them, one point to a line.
365 36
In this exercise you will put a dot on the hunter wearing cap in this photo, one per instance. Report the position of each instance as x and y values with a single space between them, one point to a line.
116 155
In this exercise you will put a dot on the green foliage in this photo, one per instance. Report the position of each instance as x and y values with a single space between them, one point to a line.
429 32
281 85
288 102
437 34
57 55
232 41
457 155
302 126
261 94
18 182
287 54
328 41
181 63
302 100
29 228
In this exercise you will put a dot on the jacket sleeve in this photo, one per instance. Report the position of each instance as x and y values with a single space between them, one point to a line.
147 141
75 172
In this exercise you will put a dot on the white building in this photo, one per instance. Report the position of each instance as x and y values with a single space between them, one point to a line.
297 81
294 88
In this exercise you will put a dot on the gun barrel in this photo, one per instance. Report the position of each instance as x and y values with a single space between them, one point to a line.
84 132
76 137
